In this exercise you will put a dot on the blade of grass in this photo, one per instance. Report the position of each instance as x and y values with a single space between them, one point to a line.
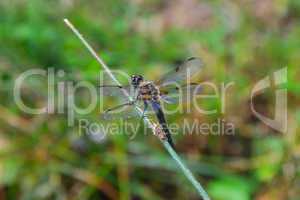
147 121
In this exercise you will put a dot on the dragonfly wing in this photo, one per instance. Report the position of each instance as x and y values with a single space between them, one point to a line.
109 88
182 94
188 69
115 91
169 100
123 112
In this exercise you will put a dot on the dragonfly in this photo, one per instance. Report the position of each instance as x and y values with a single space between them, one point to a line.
154 93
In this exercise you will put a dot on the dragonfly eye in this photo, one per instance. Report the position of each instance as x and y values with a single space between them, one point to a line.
136 79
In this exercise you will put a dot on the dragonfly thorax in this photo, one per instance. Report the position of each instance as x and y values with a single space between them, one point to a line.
147 91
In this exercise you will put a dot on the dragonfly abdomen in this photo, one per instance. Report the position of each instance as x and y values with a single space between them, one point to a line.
162 121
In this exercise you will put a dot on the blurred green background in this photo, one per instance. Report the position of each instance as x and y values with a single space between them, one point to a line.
240 41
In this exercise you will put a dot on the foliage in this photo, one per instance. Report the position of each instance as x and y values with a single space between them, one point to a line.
41 157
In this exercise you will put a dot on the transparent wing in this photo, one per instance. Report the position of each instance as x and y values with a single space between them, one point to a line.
183 72
123 112
116 91
108 88
183 94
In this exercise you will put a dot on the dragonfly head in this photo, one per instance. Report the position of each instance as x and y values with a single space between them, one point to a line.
136 80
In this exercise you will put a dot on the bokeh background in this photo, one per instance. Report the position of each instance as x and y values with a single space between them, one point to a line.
243 41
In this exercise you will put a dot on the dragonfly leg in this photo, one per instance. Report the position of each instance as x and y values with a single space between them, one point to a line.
144 111
116 86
